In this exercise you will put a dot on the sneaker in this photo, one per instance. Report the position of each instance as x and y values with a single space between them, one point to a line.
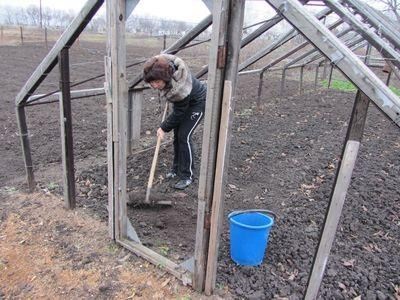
183 184
170 175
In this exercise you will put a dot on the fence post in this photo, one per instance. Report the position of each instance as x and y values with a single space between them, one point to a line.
165 42
45 37
2 33
22 35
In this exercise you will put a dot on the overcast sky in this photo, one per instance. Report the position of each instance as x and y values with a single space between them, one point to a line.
182 10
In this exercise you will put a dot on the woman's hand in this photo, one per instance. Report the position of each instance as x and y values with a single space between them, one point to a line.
160 133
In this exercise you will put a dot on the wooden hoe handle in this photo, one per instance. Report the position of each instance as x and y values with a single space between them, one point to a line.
154 163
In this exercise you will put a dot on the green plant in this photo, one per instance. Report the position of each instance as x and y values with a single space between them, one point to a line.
52 186
395 90
8 190
164 250
341 85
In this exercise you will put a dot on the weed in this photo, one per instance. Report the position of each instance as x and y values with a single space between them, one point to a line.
164 250
8 190
395 90
341 85
52 186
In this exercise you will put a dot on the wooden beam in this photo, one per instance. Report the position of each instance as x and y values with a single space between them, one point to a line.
158 260
341 56
341 184
380 44
116 51
26 148
248 39
231 33
378 22
286 37
134 118
66 40
66 131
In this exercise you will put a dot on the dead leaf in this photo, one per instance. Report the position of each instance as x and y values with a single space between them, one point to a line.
165 282
349 263
342 286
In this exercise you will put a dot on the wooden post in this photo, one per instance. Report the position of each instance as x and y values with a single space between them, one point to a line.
164 41
45 37
330 75
326 61
316 77
2 33
260 86
301 79
66 131
228 23
283 82
341 184
22 35
26 149
134 118
116 50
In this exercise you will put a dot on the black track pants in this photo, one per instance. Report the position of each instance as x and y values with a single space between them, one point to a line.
183 150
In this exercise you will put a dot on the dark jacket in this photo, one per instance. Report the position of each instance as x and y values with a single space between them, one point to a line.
195 100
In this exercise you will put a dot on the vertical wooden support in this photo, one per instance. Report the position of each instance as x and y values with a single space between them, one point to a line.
21 34
330 75
260 86
283 82
110 147
66 131
341 184
135 100
210 138
316 77
45 38
301 80
224 57
26 148
1 33
118 95
325 69
164 42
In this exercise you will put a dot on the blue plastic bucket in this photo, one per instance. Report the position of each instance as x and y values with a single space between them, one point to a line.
249 232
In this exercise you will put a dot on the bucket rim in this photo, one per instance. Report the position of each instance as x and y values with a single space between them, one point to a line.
263 211
269 218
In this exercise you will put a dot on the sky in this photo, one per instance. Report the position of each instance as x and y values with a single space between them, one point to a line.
191 11
180 10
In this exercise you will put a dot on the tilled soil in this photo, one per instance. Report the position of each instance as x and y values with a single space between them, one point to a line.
283 158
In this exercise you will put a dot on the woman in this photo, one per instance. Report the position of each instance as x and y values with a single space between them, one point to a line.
171 76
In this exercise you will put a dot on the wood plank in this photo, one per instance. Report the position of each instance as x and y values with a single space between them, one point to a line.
66 40
286 37
342 57
110 150
26 148
342 182
380 44
210 138
158 260
66 131
235 15
137 101
332 218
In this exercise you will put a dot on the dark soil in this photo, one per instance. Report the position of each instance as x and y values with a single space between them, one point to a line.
283 158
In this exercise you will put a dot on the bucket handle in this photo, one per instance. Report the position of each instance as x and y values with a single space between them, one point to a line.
239 212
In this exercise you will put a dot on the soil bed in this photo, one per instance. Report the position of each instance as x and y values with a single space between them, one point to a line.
283 158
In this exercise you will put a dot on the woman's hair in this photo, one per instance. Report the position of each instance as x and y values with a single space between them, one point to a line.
157 68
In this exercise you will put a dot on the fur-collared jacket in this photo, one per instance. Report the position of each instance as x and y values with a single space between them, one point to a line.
184 91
